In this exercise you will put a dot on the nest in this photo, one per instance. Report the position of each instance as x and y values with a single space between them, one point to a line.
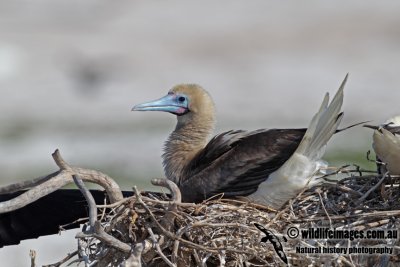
161 231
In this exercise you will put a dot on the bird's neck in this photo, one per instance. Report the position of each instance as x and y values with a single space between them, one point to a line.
189 137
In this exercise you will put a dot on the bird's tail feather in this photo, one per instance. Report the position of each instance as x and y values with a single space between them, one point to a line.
323 125
305 163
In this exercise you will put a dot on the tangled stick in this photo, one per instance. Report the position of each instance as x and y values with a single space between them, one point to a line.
162 228
221 232
96 230
158 230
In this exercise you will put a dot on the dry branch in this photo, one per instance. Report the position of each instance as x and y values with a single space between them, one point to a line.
43 186
89 199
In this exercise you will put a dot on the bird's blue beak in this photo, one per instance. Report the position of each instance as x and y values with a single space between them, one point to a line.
170 103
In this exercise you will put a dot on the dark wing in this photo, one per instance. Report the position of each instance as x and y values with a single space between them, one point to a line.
46 215
236 162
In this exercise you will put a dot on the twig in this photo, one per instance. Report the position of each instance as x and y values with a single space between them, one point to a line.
164 202
99 233
174 255
169 234
342 258
237 225
323 206
82 251
343 217
372 189
96 230
115 204
89 199
169 217
134 259
175 192
348 190
112 188
7 189
32 255
197 259
372 224
67 258
159 251
61 163
245 201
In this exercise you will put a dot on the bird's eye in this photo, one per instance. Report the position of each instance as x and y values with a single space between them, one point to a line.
181 99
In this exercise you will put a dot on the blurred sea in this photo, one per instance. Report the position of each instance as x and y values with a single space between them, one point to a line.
70 71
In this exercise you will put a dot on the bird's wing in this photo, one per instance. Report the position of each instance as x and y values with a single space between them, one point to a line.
46 215
236 162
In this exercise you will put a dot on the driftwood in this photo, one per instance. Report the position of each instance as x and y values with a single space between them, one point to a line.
159 230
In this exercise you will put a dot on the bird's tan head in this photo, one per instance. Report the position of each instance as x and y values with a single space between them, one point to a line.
198 99
195 112
187 101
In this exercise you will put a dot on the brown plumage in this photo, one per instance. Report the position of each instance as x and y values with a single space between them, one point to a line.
233 163
236 163
191 133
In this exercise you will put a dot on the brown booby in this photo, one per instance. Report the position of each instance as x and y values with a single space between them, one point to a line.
386 144
268 166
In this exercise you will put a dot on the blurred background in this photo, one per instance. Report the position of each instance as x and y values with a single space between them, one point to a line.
70 71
